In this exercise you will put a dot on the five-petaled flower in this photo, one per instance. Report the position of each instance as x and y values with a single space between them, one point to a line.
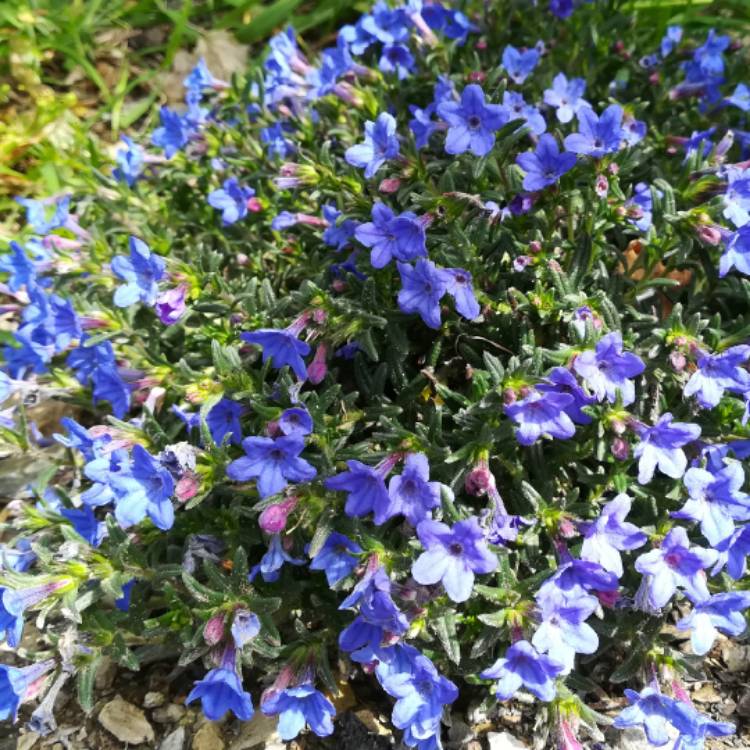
472 123
380 145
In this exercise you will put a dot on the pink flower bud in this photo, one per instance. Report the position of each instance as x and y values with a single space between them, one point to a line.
655 78
608 598
601 186
481 44
187 486
566 528
535 247
242 259
620 448
709 234
339 285
509 396
213 631
678 361
317 369
319 316
477 76
479 480
389 185
254 205
273 519
614 168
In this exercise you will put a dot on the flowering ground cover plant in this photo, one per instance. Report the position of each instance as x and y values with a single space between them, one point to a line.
428 353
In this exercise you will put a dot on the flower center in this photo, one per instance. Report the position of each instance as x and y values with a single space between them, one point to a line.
474 122
456 549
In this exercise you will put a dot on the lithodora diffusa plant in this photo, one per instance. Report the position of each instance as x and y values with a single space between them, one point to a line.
426 356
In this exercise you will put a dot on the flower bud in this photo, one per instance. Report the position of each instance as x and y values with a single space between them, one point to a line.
317 369
389 185
213 631
187 486
678 361
254 205
479 480
601 186
535 247
274 518
620 448
509 396
709 234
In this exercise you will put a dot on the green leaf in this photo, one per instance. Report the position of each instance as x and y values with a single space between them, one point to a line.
444 626
86 678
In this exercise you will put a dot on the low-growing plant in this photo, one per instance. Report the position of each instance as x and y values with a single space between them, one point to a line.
426 358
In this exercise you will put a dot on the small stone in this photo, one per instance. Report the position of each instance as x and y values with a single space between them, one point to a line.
174 741
706 694
737 658
459 734
153 700
27 741
126 722
505 741
170 714
743 705
260 731
208 737
632 738
371 722
105 674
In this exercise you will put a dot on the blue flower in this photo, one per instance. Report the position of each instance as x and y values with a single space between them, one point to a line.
297 706
740 98
675 564
640 207
296 421
173 134
387 25
524 666
709 55
390 236
396 58
715 500
198 80
245 626
670 40
143 487
597 136
651 710
545 165
514 107
717 373
231 199
273 462
737 252
661 445
722 612
224 420
85 523
366 490
422 288
337 235
123 602
273 561
13 604
336 557
609 534
472 123
560 380
274 136
462 291
221 691
566 96
422 124
542 413
732 552
282 347
142 270
380 145
453 556
39 217
694 727
420 696
449 21
411 493
26 356
20 269
15 683
130 161
608 369
518 65
96 366
19 558
107 385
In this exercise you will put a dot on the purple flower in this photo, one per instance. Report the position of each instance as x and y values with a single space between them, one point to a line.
380 145
411 493
453 556
561 381
221 691
608 535
566 96
297 706
296 421
142 270
170 304
472 123
366 490
715 500
518 65
337 557
422 288
675 564
542 413
736 252
608 369
545 165
524 666
282 347
717 373
722 612
273 462
661 445
391 236
143 487
651 710
597 136
224 421
396 58
231 199
462 291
